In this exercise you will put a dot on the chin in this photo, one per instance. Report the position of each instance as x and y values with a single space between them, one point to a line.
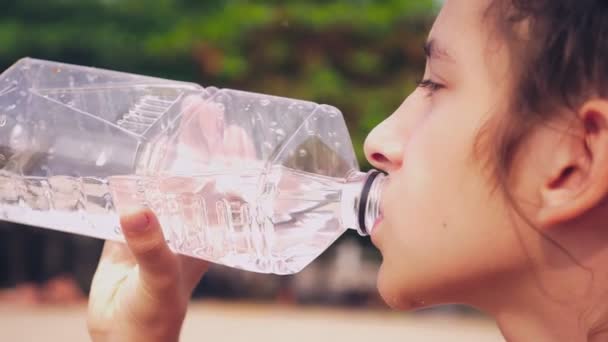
395 294
389 291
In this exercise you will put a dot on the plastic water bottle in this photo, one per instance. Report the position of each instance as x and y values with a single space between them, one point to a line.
247 180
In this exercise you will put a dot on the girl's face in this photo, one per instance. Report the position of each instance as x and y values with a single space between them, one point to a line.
445 233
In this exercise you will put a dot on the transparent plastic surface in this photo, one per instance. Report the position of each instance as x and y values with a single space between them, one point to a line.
247 180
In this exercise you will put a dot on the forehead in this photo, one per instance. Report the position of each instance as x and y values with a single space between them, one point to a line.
464 31
461 21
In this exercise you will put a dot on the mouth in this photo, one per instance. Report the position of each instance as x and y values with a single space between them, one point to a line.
377 209
376 227
379 220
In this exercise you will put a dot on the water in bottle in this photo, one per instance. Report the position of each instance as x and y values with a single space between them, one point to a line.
247 180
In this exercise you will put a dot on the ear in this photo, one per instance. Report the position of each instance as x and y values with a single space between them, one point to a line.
578 180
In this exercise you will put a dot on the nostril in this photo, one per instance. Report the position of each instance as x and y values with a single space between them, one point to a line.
379 158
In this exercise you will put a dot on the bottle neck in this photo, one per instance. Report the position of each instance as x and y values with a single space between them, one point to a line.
361 201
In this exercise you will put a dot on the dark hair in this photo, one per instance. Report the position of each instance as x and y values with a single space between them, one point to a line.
559 59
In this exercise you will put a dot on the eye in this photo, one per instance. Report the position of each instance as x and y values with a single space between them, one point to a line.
430 85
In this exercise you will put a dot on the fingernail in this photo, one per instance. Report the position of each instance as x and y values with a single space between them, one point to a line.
135 220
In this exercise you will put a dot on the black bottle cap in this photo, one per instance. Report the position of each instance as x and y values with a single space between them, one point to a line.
363 200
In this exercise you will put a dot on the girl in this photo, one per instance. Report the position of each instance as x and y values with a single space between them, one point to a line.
498 185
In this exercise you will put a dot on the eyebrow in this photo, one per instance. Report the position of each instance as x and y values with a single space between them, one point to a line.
433 50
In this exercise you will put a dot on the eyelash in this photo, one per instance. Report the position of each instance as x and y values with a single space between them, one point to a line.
430 85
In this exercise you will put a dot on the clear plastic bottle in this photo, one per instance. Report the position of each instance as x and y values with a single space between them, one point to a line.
247 180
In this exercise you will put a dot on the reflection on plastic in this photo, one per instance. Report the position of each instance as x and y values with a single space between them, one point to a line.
248 180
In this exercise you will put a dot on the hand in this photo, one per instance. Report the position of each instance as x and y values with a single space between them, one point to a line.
141 290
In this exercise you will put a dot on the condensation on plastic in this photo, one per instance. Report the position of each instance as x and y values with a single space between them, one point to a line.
78 144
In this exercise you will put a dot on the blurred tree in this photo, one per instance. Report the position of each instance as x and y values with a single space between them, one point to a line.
362 56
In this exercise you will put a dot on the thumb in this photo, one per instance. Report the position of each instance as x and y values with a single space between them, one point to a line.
158 266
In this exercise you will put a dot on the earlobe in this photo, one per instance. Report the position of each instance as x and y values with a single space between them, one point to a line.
580 183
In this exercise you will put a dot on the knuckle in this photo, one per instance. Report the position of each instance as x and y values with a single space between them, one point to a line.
148 247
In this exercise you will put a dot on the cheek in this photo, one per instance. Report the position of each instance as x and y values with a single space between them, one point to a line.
424 201
440 221
424 196
436 168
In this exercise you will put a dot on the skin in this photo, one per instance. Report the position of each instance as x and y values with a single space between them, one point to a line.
447 236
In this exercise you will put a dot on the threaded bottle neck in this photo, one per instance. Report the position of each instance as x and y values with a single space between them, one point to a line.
361 201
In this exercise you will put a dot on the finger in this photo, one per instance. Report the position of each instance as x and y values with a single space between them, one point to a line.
211 124
190 137
116 252
115 261
202 124
193 270
189 104
115 264
158 266
238 144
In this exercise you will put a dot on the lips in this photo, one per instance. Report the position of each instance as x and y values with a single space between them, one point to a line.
377 224
379 211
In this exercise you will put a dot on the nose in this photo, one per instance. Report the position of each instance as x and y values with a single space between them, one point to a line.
384 146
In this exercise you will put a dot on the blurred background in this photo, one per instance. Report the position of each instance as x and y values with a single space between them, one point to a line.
362 56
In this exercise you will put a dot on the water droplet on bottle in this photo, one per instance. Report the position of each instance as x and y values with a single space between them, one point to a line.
247 108
11 107
264 102
17 131
108 201
18 138
171 125
337 144
273 123
267 146
172 205
280 133
22 93
3 119
102 159
303 153
211 90
91 77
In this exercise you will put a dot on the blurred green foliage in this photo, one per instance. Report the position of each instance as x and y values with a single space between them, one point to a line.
362 56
